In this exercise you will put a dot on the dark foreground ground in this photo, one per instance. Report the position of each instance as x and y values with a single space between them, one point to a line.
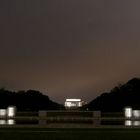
69 133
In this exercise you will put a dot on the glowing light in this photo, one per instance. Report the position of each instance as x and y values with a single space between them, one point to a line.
128 112
73 103
11 111
136 113
11 122
3 113
68 104
128 123
80 104
136 123
73 100
2 122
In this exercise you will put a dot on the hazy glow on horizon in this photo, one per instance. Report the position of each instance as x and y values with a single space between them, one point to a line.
69 49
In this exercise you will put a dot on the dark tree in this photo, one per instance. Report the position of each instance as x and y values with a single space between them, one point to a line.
119 97
30 100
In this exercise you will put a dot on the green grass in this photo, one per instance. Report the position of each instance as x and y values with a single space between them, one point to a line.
69 133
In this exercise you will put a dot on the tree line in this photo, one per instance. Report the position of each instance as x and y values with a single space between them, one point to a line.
30 100
118 98
123 95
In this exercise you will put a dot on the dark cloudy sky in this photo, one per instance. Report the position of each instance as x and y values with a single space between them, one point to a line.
69 48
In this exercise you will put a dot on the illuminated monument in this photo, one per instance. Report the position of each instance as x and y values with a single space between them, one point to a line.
73 103
7 116
132 117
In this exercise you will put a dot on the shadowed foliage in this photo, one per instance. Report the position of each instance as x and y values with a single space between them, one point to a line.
30 100
119 97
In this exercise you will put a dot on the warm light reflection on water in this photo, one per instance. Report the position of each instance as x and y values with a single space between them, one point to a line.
10 122
7 122
2 122
128 123
136 123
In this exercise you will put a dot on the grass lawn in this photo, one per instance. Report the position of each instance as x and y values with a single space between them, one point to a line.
25 133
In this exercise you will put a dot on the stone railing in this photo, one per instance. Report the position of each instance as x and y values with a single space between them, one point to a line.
85 119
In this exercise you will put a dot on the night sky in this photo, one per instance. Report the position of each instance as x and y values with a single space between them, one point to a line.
69 48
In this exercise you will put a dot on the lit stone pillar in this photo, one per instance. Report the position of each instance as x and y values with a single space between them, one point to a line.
42 117
11 113
3 115
97 118
136 117
128 113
